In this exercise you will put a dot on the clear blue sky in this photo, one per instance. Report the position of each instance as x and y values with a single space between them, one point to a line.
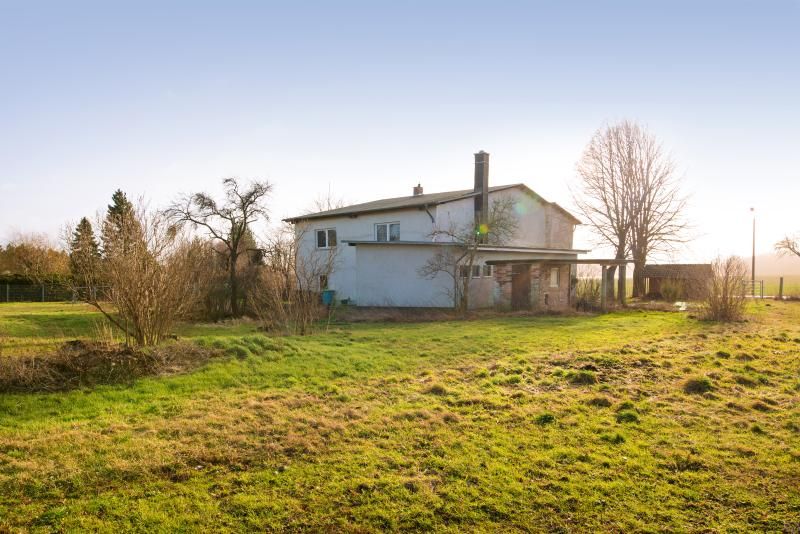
160 98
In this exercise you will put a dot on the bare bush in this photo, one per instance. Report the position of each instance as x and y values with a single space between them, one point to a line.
155 280
587 294
286 299
725 299
672 290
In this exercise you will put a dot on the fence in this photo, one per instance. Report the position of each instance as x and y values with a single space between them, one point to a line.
754 288
34 293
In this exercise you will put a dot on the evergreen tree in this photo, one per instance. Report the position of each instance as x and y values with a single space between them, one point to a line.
84 252
120 226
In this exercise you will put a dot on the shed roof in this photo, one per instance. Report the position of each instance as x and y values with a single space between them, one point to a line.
420 202
687 271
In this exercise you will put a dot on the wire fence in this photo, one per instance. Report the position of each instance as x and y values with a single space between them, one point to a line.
35 293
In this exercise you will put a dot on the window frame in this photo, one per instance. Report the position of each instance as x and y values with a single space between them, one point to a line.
388 226
327 232
487 271
557 272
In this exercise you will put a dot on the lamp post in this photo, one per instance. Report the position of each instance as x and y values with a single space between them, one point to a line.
753 264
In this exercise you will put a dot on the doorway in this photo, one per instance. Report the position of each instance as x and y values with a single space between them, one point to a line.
520 286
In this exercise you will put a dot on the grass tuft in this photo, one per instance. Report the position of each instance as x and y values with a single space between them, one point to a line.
697 385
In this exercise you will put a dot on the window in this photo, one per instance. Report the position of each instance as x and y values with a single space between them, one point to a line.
326 238
387 232
476 271
555 276
488 271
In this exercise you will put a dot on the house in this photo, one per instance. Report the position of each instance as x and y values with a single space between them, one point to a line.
684 280
376 250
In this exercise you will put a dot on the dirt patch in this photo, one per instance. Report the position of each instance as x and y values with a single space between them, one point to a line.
81 364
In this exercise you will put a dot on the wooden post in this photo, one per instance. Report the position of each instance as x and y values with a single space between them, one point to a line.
623 289
603 283
780 289
42 292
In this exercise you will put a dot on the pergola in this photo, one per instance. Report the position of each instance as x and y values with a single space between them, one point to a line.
603 263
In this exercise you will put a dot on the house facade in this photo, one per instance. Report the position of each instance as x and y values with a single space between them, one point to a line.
377 251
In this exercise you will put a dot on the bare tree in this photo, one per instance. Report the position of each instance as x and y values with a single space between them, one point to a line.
601 197
156 280
788 245
227 221
630 195
656 203
460 249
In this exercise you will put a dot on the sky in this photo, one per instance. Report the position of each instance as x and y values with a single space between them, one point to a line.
366 99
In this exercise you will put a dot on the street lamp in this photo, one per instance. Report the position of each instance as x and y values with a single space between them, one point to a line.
753 264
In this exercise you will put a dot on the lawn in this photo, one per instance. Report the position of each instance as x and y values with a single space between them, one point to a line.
510 424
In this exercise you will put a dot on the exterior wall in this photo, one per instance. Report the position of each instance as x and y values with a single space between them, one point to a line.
539 225
415 225
387 276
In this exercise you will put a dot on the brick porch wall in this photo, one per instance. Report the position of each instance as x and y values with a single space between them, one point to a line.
542 296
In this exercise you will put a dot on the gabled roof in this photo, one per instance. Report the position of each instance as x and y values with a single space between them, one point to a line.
420 202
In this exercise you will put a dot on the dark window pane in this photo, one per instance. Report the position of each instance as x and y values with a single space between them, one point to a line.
381 232
332 237
321 242
476 271
394 232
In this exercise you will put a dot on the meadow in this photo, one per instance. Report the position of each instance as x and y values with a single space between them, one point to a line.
633 420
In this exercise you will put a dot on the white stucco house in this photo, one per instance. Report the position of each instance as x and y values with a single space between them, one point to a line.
377 248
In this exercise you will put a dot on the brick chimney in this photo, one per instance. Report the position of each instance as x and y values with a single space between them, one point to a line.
481 191
417 190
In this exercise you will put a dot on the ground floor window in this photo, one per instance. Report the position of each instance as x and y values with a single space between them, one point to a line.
555 276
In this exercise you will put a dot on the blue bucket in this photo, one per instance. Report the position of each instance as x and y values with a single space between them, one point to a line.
327 296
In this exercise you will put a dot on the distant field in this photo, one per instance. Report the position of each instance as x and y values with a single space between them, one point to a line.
791 285
511 424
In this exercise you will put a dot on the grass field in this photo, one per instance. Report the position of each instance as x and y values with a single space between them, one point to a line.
511 424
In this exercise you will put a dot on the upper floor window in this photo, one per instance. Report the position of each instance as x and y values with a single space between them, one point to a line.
326 238
387 232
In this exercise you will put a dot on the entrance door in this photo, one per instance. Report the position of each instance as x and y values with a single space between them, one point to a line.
520 286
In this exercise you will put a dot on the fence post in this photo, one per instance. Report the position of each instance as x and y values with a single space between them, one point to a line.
603 285
780 289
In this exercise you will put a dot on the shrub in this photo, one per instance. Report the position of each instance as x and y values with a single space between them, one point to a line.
587 294
725 298
672 290
697 386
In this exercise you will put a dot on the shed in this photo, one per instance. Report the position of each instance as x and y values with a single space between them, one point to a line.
685 280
